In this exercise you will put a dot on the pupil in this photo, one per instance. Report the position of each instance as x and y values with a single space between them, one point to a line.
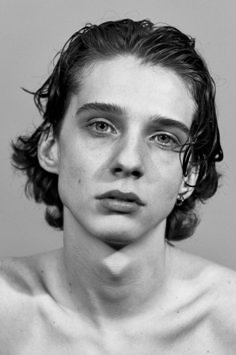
102 126
164 138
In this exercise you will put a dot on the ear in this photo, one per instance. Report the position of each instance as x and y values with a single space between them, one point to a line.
188 183
48 151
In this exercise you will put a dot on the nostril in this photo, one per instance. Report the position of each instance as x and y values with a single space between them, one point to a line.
117 170
137 174
120 170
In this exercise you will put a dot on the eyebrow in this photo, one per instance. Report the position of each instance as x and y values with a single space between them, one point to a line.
170 122
101 107
118 110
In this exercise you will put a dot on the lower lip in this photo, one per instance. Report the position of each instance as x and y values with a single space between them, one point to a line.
119 206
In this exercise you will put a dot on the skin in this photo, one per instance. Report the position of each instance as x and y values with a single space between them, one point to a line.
146 297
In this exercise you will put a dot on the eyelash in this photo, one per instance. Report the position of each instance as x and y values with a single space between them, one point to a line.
92 127
173 140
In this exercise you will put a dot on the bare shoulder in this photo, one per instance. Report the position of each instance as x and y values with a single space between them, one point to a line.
23 283
209 272
215 287
25 277
223 287
218 279
19 282
222 291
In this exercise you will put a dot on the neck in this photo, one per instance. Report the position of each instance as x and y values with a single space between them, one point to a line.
105 283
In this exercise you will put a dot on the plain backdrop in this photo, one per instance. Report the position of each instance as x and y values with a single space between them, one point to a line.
31 33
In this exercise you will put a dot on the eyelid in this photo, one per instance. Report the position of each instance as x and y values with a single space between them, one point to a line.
103 120
169 134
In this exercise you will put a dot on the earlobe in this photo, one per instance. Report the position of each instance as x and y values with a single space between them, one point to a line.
48 151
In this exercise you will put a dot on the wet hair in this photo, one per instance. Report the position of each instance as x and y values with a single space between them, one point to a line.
165 46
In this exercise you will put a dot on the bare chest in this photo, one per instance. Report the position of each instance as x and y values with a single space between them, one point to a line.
176 335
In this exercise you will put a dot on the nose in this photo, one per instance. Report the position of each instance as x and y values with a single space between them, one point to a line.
128 159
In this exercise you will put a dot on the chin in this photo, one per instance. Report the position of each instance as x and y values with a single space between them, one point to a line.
114 234
118 231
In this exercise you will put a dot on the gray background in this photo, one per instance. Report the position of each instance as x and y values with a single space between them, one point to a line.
32 31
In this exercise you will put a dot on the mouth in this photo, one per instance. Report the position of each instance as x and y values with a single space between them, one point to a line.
116 201
122 196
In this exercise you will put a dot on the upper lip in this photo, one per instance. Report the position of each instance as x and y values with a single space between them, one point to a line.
125 196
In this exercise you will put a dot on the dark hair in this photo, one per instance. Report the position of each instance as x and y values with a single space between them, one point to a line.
155 45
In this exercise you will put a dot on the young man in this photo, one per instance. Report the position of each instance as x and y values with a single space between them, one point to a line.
127 147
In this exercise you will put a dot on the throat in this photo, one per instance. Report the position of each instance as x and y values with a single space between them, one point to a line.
116 265
112 277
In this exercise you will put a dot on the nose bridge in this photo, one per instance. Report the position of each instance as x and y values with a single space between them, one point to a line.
129 156
131 147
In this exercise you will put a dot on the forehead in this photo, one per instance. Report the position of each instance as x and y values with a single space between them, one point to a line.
140 89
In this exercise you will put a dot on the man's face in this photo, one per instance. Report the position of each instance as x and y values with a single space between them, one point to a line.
118 134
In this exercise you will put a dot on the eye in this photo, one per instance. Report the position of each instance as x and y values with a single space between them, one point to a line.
166 140
101 127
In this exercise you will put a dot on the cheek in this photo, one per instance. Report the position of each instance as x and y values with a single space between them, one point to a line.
71 178
164 188
163 196
161 202
165 169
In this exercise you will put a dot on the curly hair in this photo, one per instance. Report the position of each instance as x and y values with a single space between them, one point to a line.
165 46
